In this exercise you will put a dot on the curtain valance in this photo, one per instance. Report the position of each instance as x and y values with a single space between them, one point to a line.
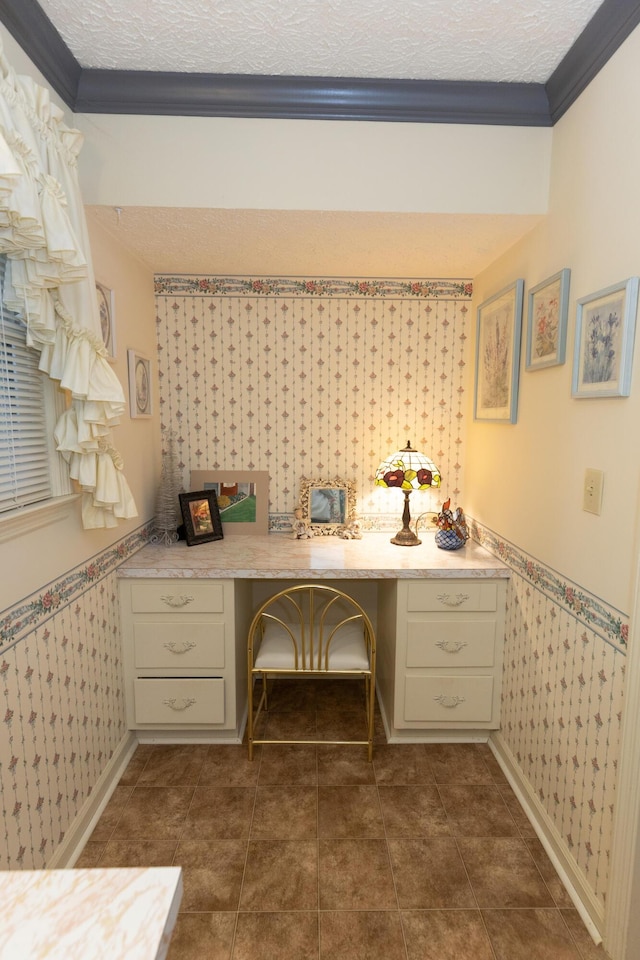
50 286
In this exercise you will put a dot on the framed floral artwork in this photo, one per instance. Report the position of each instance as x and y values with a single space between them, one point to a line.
498 334
547 326
603 352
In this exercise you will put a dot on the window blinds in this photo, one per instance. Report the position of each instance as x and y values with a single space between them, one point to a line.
24 447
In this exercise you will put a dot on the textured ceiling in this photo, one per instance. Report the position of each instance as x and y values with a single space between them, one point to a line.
500 40
294 243
492 40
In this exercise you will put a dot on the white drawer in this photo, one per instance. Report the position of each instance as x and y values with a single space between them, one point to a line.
177 596
179 645
448 699
172 700
451 595
451 643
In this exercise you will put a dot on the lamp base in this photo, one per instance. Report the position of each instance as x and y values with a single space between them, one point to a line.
405 538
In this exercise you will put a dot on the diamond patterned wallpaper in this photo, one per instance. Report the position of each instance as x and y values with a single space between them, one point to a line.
315 378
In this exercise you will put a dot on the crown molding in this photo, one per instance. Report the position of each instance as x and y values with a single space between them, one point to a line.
609 27
31 28
312 98
319 98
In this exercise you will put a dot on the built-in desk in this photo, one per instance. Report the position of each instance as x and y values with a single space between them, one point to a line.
439 616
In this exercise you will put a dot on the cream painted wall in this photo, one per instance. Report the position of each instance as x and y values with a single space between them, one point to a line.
31 560
525 481
137 440
17 58
307 165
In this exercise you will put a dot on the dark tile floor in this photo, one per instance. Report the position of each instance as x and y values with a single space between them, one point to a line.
311 853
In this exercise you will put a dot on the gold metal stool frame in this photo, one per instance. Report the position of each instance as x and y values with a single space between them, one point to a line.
315 640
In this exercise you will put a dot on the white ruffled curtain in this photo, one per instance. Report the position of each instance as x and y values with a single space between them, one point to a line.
49 284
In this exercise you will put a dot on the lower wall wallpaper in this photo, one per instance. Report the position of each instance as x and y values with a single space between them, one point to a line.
563 683
61 704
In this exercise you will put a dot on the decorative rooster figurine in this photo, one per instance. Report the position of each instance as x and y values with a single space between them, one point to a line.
452 529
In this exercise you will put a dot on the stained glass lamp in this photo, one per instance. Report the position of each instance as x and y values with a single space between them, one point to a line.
409 470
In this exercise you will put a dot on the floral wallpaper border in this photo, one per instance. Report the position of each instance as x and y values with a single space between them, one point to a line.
30 613
234 286
606 621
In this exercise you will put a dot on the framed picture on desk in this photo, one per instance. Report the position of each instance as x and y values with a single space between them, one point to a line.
242 495
328 505
201 517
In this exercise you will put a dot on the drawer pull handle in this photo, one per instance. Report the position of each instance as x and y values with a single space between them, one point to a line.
182 646
447 701
180 601
456 601
451 646
184 704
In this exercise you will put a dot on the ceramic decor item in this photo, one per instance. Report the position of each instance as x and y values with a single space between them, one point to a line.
452 528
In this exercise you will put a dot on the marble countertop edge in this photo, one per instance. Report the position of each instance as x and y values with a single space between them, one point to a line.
278 556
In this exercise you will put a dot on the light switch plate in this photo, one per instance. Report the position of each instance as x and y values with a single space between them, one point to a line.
592 498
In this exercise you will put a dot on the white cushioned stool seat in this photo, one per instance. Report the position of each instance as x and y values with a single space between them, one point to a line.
347 649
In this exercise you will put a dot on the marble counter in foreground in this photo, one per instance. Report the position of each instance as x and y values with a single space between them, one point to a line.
277 556
120 914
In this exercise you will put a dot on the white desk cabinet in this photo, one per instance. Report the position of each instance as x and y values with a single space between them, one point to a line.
440 653
185 653
439 626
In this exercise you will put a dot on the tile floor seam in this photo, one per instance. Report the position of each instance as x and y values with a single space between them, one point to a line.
466 873
246 856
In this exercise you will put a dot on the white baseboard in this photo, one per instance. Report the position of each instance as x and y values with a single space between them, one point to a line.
82 827
591 911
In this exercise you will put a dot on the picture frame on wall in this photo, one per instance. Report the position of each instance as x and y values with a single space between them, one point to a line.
548 311
200 516
106 310
499 330
242 496
140 398
605 332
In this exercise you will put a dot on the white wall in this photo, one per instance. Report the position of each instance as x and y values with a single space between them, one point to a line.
312 165
526 481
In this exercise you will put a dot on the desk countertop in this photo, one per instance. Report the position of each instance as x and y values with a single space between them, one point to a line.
278 556
126 914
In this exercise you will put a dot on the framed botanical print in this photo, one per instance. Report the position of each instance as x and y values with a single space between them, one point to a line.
498 332
547 327
605 331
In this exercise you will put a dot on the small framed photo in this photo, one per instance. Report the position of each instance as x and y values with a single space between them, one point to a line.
243 498
499 330
139 384
547 327
106 310
201 517
603 352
